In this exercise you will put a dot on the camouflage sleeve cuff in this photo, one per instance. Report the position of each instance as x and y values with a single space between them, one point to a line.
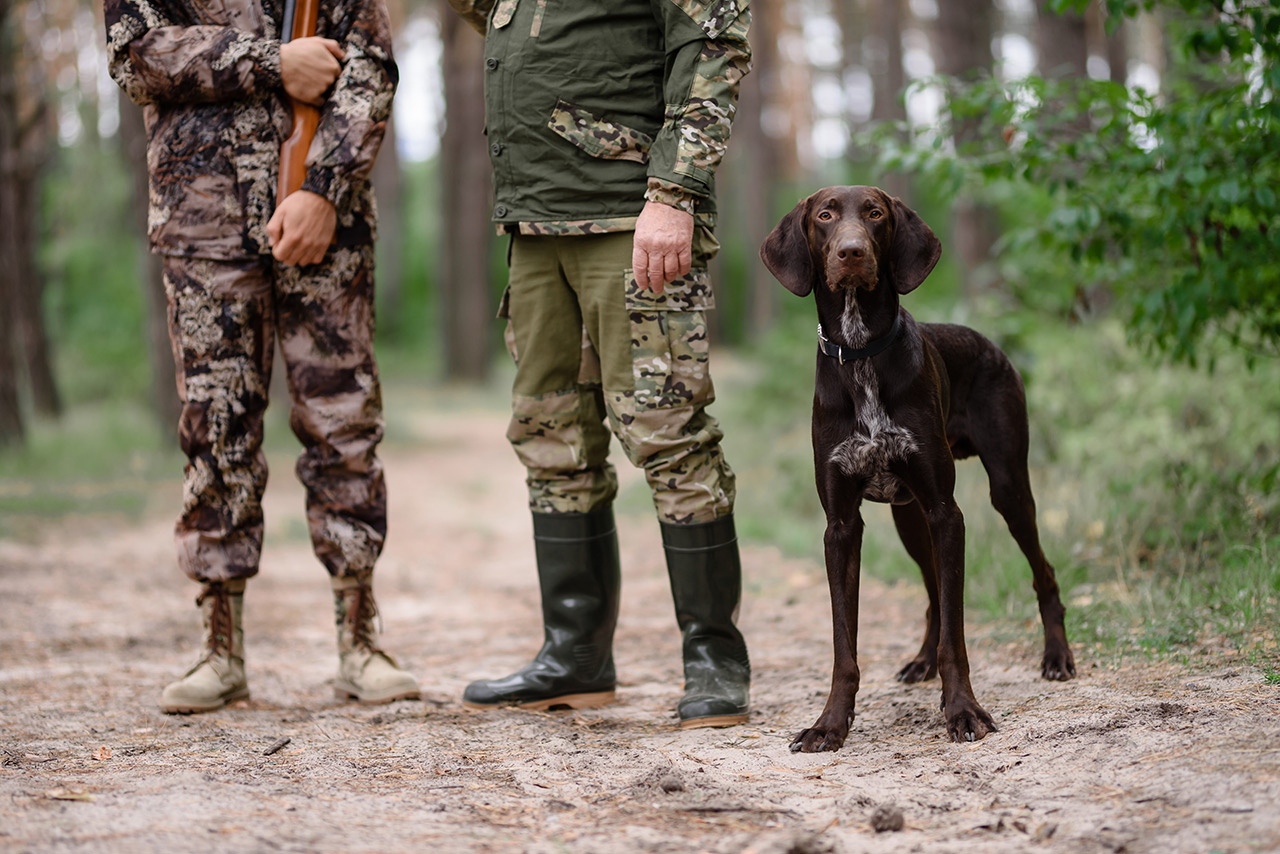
326 181
674 195
267 67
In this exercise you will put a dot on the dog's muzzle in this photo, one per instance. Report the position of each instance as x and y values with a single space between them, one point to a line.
851 263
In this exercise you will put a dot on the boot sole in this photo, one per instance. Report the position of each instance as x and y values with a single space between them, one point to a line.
195 708
714 721
573 701
348 694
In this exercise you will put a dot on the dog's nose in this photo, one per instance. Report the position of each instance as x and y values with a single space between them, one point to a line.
853 249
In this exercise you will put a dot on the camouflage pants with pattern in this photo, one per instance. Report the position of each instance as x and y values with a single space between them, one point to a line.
590 344
224 317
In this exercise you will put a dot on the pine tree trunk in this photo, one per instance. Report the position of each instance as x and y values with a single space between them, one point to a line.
466 307
11 426
387 182
884 62
34 342
759 156
963 37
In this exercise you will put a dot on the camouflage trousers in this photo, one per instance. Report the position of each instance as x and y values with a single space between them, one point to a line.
590 344
224 317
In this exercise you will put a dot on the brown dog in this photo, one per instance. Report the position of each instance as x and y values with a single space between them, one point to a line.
895 403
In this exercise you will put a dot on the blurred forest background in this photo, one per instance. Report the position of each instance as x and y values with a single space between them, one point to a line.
1103 175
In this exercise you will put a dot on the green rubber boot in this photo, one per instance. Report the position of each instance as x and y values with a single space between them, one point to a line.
366 674
580 580
218 677
706 584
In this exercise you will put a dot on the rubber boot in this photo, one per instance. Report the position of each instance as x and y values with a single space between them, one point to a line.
706 584
580 580
218 677
366 674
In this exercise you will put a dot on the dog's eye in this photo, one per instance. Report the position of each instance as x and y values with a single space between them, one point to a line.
825 216
874 214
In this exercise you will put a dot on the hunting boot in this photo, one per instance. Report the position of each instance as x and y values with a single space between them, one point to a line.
218 677
365 673
580 580
706 584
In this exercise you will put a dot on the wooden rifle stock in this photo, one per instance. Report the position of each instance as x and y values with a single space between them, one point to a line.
300 18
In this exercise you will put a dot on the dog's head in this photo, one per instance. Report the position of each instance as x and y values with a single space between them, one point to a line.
850 237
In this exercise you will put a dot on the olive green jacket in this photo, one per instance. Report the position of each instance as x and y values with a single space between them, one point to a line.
593 107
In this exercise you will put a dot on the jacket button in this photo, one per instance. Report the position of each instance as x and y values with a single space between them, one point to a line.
491 63
500 211
495 149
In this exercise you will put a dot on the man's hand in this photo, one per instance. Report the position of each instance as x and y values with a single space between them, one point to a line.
302 228
663 249
308 67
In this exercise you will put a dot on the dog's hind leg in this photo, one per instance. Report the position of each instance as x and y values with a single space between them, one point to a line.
1005 460
913 530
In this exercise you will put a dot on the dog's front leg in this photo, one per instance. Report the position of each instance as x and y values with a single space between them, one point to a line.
842 545
966 719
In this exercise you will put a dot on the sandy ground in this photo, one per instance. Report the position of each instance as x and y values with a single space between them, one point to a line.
1142 758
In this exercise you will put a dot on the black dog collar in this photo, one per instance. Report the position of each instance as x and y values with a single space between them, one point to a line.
849 354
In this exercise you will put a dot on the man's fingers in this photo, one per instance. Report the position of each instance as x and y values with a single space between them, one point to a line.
671 267
334 48
640 266
274 227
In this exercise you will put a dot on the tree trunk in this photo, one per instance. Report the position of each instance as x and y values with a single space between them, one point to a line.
35 139
164 390
387 188
11 427
963 36
1061 42
760 158
883 61
466 307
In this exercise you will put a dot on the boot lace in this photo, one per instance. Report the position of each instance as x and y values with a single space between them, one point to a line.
221 621
362 612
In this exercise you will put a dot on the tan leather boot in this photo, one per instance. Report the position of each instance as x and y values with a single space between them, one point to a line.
218 677
365 673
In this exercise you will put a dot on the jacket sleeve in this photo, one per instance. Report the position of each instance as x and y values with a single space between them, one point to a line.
158 58
353 119
474 12
707 56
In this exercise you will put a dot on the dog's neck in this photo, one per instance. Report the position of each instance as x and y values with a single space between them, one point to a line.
854 318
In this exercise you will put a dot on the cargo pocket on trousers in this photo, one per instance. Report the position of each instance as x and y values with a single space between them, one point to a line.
669 345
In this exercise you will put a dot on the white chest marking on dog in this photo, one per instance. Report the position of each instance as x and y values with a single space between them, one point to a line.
876 439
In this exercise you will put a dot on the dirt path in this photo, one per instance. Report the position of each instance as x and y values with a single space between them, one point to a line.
1148 758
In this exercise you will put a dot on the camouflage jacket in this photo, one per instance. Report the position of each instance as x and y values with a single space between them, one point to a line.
207 73
592 108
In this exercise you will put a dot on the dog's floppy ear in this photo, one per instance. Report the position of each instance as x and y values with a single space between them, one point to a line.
786 252
914 251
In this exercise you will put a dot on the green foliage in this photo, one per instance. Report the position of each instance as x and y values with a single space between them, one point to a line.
1167 200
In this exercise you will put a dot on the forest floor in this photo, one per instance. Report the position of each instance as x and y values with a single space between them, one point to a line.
1133 756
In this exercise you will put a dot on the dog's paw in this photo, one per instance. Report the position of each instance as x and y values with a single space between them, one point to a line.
818 740
916 670
1058 665
968 722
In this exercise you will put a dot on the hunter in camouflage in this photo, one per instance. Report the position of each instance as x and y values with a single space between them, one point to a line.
606 123
243 269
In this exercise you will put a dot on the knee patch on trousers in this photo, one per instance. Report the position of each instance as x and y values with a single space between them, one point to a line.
561 439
